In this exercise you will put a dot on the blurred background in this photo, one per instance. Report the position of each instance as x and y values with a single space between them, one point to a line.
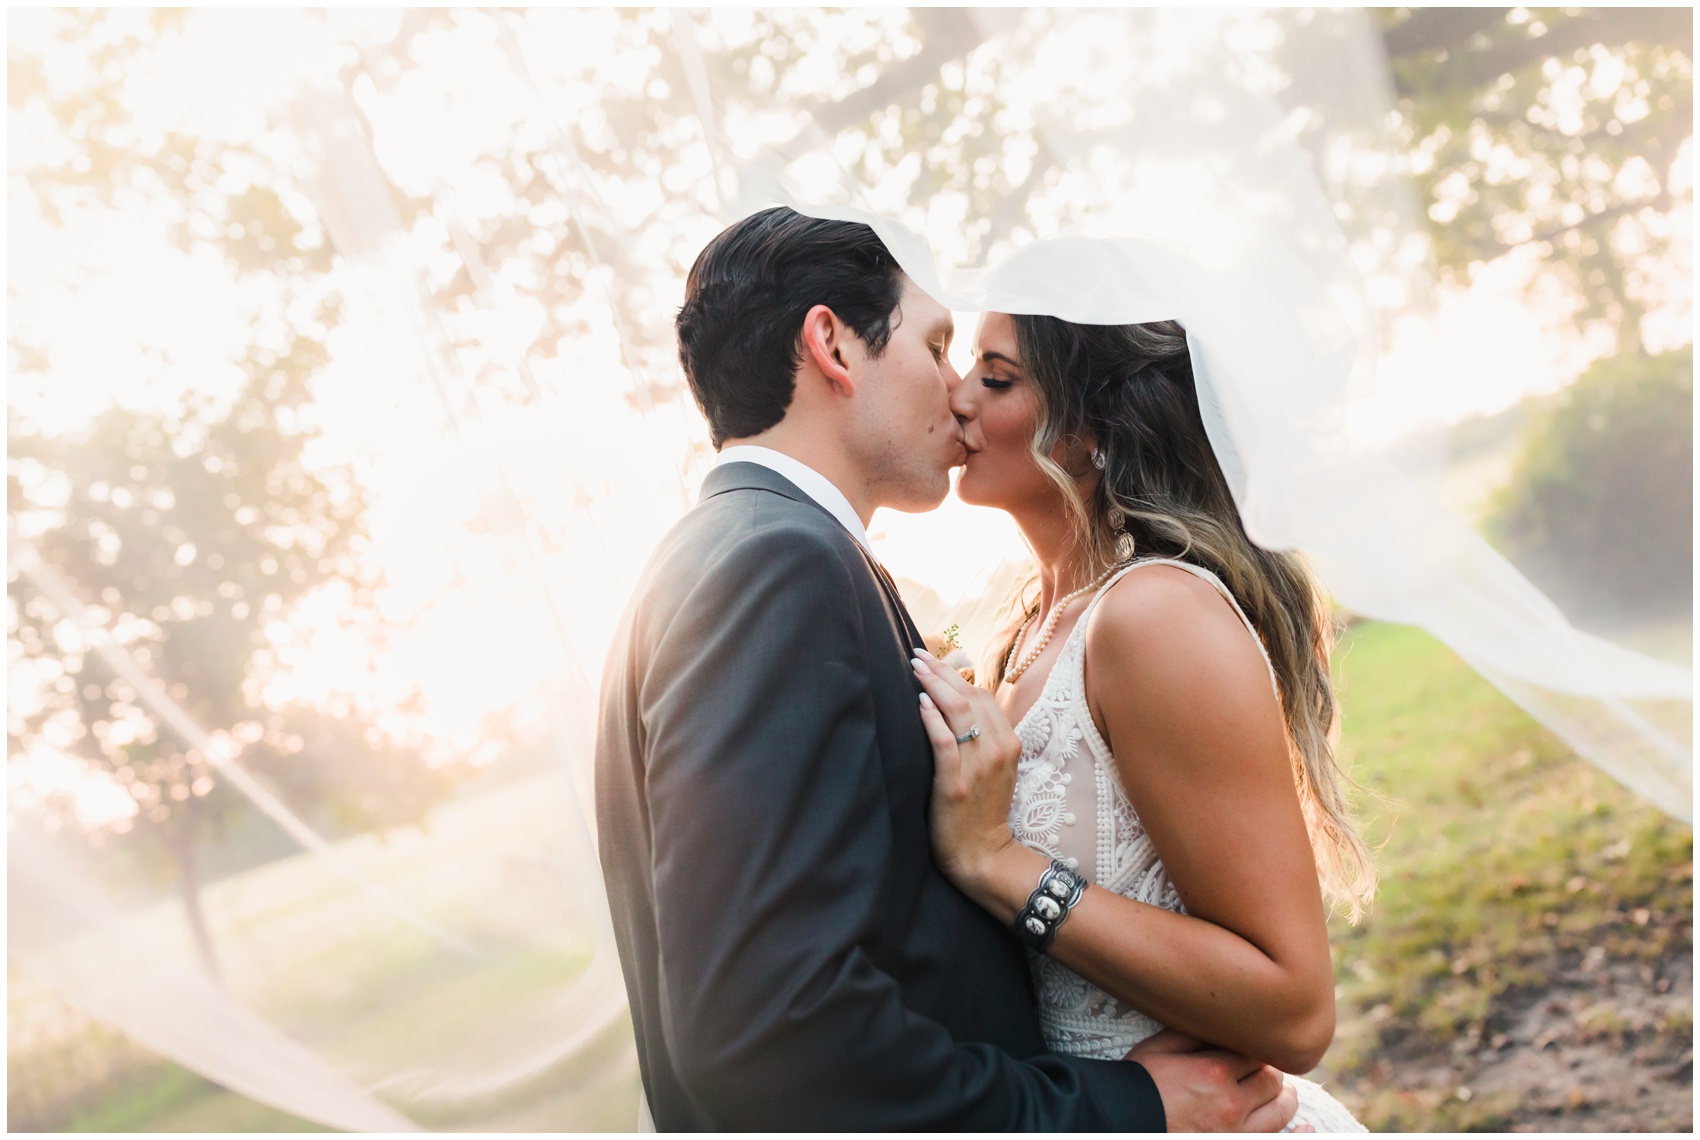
343 414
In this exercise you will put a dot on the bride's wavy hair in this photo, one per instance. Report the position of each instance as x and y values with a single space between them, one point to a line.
1162 494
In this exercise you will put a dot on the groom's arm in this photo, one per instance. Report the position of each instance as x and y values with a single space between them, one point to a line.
771 851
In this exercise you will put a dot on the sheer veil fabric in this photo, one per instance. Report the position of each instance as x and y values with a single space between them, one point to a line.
1100 166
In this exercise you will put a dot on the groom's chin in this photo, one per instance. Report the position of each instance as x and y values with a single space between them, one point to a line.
922 498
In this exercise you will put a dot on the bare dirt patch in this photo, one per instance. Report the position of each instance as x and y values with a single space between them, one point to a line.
1603 1046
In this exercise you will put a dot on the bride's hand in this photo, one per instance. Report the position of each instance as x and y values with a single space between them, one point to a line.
973 780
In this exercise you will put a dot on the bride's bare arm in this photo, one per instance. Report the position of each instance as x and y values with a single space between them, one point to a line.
1184 700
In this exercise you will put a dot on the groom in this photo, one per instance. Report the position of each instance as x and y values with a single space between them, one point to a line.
793 958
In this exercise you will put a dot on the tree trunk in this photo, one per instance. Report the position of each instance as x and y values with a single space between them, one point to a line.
182 843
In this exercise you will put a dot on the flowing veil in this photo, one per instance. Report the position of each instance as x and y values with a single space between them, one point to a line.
1100 166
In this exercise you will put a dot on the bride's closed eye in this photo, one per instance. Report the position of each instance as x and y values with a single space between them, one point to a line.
995 384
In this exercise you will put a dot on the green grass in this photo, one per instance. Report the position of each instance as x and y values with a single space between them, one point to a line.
1500 853
451 1038
177 1100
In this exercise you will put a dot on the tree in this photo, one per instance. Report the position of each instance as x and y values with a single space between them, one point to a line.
189 530
1600 508
1551 127
190 535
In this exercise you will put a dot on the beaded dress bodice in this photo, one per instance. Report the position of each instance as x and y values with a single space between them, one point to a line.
1069 804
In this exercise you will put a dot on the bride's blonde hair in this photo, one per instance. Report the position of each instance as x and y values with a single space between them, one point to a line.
1162 494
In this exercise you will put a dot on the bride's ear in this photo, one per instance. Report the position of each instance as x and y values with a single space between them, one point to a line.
1079 455
823 345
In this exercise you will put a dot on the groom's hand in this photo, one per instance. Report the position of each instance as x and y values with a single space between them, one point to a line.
1211 1090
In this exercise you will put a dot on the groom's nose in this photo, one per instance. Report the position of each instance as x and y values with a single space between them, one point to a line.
960 405
952 379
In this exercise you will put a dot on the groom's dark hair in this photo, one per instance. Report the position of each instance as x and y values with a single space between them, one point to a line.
740 328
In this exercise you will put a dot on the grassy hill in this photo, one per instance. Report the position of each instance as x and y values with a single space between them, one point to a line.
1528 963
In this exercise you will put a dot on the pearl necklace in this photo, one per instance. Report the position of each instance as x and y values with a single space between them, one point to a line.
1012 671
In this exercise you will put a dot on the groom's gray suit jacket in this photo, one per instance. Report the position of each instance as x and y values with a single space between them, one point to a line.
793 958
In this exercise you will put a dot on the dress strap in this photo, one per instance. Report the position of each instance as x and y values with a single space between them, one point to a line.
1197 572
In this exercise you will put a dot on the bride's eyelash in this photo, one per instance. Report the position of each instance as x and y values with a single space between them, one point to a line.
995 384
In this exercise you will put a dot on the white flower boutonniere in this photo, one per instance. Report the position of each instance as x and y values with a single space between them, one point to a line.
946 648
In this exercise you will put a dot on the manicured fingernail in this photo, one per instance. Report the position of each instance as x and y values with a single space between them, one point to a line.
920 665
924 653
926 701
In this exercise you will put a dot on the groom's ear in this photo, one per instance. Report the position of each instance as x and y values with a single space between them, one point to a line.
824 337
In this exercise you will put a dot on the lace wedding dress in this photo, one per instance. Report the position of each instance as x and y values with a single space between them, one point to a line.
1069 804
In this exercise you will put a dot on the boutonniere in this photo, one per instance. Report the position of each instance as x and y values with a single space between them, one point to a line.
948 649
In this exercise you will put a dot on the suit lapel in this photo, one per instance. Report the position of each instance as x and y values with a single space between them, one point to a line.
895 597
741 476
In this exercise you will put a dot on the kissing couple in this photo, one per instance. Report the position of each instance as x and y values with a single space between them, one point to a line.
852 890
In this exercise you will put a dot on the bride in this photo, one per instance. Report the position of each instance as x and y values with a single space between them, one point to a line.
1173 718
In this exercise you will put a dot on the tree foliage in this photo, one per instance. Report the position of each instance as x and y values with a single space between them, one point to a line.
641 160
226 194
190 536
1600 510
1556 127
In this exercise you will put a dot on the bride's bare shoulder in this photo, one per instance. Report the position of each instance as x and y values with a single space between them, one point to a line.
1161 633
1154 606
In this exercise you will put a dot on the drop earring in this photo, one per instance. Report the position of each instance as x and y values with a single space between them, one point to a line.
1098 460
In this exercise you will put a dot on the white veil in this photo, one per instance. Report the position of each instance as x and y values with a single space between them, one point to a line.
1101 166
1218 220
1274 350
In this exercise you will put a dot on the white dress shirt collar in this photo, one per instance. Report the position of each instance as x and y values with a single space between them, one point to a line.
809 481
